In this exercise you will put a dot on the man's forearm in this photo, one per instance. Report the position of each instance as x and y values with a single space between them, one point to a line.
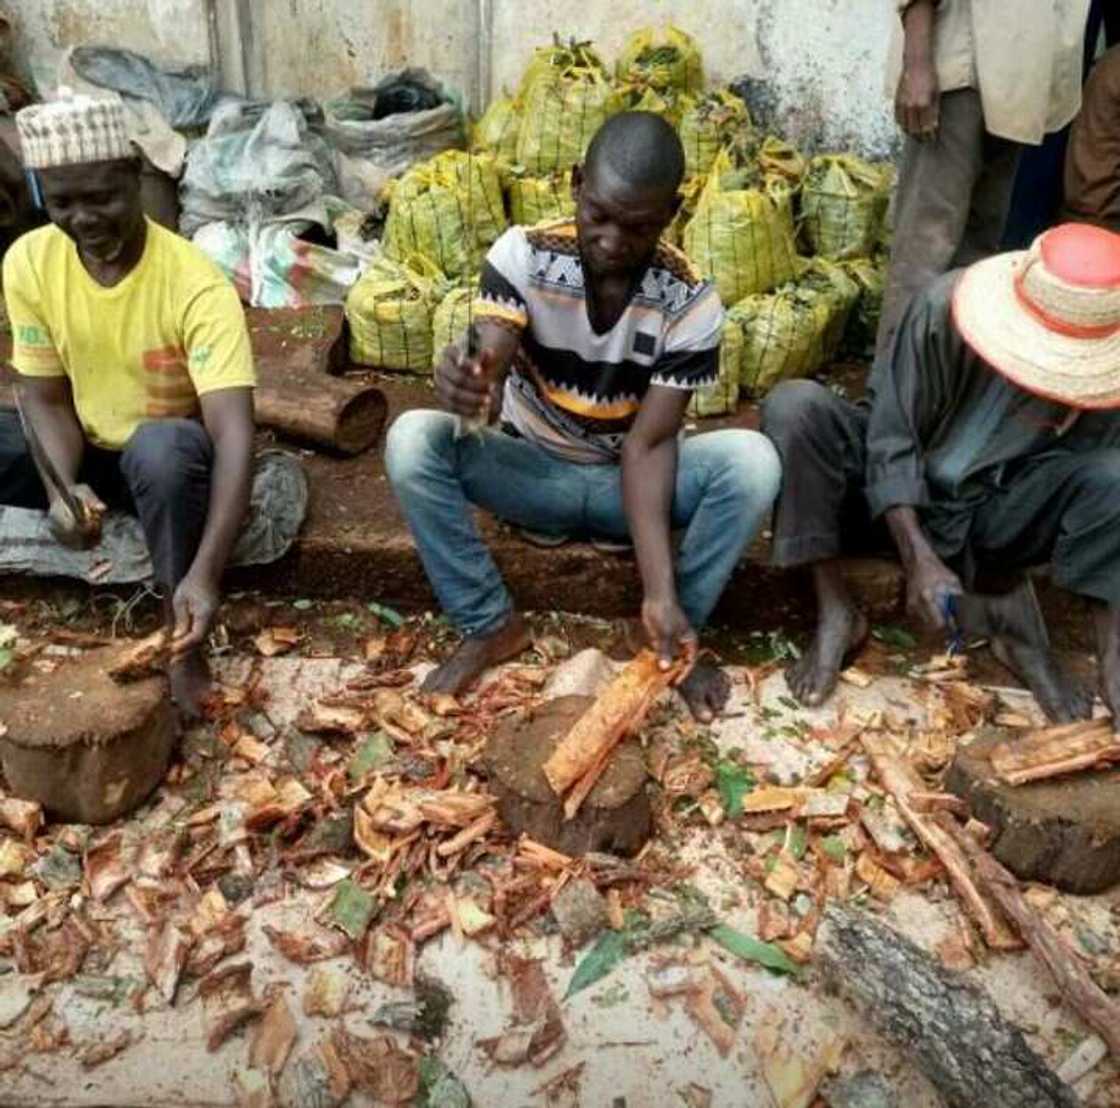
230 485
649 474
60 434
909 538
917 22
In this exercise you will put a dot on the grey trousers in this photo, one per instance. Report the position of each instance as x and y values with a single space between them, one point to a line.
1061 507
162 476
951 207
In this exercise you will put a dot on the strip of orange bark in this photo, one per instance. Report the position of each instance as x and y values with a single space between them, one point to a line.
620 708
903 783
1054 751
1085 997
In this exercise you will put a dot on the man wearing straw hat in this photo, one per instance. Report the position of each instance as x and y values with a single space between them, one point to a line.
134 372
990 444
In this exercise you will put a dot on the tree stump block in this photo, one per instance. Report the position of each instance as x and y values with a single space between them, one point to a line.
1064 831
616 815
87 749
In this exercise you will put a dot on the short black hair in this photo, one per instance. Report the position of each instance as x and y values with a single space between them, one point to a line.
641 149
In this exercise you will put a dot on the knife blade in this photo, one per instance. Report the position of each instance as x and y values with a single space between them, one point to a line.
47 469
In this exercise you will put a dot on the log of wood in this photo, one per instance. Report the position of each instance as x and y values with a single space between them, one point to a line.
1055 751
616 816
87 749
1064 831
949 1027
902 782
582 755
1081 992
342 415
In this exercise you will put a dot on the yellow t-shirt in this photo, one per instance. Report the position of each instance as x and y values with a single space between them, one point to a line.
147 348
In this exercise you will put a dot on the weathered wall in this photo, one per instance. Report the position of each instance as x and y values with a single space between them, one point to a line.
822 60
818 64
171 32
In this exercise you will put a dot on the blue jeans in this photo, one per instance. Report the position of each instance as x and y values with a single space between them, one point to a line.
727 482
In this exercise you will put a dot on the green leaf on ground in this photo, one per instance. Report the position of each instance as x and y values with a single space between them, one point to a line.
797 842
733 782
439 1087
371 755
894 636
386 615
608 951
351 909
834 847
751 949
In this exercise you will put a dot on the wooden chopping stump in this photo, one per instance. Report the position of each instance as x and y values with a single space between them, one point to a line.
1064 831
616 815
87 749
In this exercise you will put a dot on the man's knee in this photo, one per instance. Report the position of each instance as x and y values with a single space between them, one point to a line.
746 465
414 439
1100 477
167 455
793 410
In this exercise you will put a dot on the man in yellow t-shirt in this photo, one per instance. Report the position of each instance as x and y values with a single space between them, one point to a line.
134 371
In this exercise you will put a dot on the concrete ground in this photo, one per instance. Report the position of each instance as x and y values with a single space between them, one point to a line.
623 1046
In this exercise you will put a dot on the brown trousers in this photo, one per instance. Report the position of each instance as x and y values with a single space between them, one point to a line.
951 206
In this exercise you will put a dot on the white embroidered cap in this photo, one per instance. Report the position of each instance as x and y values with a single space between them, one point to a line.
73 130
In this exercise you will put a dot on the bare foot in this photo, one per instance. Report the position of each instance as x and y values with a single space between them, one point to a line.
841 631
190 682
476 654
705 691
1061 698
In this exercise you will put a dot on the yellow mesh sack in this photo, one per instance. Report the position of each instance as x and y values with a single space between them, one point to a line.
536 199
496 131
563 109
662 58
722 397
829 280
451 317
870 276
432 213
689 193
776 157
390 313
547 61
739 238
843 202
641 98
708 123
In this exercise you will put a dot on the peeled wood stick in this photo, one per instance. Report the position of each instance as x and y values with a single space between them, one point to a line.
142 659
617 710
1054 751
903 783
1086 998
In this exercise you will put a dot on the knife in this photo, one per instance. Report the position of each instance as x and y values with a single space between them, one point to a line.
49 472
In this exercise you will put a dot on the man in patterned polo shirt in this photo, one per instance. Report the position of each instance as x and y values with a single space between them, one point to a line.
134 370
591 335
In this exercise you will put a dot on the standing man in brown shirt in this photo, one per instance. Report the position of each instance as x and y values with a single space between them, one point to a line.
1092 177
974 81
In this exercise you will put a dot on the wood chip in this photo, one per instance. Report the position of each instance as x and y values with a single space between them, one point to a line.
855 676
24 817
784 878
379 1067
304 948
101 1051
228 1002
325 992
168 947
277 640
273 1038
882 885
